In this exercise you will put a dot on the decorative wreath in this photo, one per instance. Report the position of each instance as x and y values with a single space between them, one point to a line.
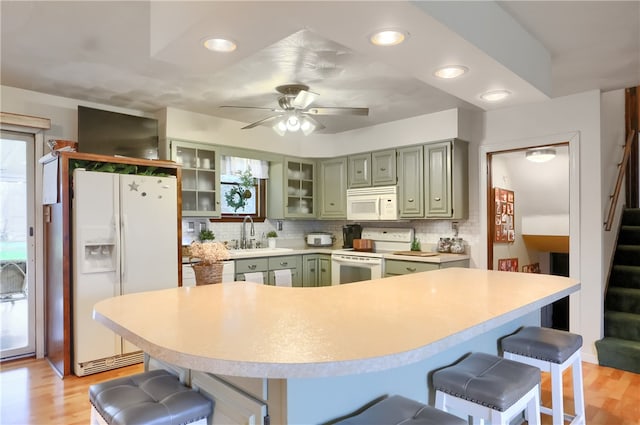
236 197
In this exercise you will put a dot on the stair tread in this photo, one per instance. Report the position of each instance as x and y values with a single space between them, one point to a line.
619 353
621 315
624 290
625 342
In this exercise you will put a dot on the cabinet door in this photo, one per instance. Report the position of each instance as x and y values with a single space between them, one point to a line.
324 275
200 178
383 168
360 170
299 188
399 267
411 182
310 270
290 262
333 187
437 165
232 405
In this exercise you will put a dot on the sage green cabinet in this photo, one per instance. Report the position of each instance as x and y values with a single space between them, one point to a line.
316 270
333 188
446 179
400 267
200 178
359 168
299 188
252 265
383 168
289 262
411 182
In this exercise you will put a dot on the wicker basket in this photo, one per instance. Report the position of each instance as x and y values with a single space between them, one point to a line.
207 274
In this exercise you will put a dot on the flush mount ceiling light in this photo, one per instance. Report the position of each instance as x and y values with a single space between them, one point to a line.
222 45
495 95
388 37
540 155
450 71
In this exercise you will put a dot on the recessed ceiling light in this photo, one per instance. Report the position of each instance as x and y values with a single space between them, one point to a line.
540 155
220 45
450 71
495 95
387 37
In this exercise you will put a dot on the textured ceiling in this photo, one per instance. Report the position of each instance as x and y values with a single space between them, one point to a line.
148 55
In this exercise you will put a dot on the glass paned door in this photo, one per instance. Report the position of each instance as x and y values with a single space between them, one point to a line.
17 200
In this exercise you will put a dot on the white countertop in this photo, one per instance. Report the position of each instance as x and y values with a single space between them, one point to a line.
245 329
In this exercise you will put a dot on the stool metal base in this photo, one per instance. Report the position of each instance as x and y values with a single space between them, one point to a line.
530 403
556 370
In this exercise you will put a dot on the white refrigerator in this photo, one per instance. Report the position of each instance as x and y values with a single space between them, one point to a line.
125 240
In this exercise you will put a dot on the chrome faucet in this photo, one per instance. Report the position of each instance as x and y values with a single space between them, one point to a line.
243 232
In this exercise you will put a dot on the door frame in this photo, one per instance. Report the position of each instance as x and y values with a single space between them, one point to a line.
573 138
35 126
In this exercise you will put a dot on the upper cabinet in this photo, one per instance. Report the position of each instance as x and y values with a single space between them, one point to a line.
299 188
446 166
200 178
333 188
411 182
359 170
383 168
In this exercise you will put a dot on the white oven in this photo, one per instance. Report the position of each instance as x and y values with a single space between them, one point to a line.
353 266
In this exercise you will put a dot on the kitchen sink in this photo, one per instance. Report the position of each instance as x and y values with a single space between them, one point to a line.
252 252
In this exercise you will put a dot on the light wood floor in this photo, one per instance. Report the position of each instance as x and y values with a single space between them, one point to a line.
31 393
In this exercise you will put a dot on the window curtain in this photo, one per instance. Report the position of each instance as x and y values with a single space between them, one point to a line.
232 165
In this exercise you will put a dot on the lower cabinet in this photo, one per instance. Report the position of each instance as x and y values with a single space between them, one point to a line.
267 266
400 267
316 270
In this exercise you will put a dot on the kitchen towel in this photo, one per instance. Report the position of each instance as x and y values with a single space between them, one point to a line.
283 277
254 277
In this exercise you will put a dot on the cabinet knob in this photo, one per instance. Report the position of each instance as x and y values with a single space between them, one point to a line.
252 266
359 172
436 198
283 263
410 200
312 270
383 169
411 269
323 270
331 203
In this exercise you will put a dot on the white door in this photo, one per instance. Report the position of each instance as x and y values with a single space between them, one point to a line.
17 252
95 265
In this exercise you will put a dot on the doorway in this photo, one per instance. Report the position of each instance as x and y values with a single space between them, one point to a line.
528 215
17 246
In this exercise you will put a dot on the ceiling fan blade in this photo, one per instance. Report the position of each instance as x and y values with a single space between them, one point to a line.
337 111
260 122
303 99
251 107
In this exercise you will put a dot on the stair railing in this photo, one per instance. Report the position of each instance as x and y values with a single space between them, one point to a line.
616 192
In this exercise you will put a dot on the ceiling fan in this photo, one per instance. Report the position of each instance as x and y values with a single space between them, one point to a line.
295 112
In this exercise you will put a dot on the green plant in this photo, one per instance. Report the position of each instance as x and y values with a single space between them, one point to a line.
415 245
206 235
272 234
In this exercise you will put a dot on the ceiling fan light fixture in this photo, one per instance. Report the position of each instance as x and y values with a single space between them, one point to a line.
388 37
450 71
307 126
540 155
221 45
495 95
280 127
293 123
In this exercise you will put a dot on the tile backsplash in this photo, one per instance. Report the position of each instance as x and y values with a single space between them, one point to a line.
293 232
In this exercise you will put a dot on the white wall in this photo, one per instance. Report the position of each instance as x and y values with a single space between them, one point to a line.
576 118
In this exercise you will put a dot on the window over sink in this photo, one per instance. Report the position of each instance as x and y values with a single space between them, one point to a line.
243 187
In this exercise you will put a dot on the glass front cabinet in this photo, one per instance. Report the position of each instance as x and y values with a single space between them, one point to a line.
299 188
200 178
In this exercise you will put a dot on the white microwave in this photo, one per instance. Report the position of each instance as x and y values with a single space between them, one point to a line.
372 203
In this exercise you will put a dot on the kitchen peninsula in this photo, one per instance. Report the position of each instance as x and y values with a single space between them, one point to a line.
323 352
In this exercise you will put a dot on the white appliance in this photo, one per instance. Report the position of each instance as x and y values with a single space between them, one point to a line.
349 265
125 240
372 203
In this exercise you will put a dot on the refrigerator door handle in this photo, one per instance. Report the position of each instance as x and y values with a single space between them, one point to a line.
123 256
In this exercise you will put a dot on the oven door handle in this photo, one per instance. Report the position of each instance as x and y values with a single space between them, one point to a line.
357 263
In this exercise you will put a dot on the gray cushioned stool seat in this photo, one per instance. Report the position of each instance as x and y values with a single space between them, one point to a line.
546 344
400 410
154 398
488 380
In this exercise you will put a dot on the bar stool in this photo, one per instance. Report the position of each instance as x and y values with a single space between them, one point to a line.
155 397
551 350
397 410
489 388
